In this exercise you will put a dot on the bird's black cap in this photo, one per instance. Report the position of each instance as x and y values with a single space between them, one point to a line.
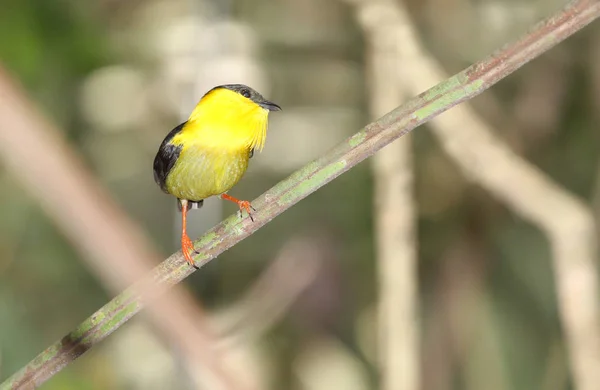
249 93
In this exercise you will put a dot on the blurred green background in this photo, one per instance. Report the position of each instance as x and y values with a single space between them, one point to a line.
116 76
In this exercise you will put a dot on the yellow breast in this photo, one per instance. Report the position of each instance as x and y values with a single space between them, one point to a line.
202 172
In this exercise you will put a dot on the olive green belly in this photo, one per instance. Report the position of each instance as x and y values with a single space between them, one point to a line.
199 174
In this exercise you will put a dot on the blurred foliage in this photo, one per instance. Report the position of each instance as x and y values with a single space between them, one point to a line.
47 56
487 288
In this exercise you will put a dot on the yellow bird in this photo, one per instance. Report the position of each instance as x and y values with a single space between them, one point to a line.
208 154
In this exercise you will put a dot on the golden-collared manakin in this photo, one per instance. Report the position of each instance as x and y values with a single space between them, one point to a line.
208 154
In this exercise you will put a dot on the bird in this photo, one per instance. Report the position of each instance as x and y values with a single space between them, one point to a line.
209 153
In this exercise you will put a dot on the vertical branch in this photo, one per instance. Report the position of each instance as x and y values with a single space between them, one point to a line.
394 229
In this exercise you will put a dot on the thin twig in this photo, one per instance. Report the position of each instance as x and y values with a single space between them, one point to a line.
568 223
463 86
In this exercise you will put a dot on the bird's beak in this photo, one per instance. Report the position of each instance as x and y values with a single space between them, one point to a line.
267 105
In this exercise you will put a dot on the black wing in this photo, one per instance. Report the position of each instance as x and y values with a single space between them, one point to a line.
166 157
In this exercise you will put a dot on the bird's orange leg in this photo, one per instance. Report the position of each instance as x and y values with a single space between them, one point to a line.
242 204
187 246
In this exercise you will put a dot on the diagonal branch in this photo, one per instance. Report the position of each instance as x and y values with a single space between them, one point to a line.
463 86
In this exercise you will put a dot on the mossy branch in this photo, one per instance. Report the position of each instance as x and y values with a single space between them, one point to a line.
463 86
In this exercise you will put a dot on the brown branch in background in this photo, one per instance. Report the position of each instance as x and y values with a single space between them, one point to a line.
394 210
111 244
568 223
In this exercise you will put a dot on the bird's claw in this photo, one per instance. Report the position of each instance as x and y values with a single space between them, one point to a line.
187 246
245 205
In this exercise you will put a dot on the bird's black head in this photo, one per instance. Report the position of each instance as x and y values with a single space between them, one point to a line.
251 94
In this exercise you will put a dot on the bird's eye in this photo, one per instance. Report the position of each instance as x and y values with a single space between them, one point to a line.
245 93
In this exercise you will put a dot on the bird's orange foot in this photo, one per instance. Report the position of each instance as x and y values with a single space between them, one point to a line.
245 205
242 204
187 248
